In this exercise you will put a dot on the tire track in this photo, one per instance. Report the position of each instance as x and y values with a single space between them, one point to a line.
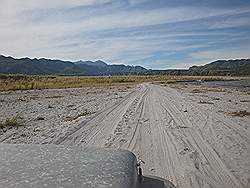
151 123
135 133
98 139
121 133
87 126
220 175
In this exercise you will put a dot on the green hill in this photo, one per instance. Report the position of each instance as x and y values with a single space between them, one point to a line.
238 67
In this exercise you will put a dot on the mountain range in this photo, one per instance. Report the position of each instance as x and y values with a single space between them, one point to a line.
238 67
10 65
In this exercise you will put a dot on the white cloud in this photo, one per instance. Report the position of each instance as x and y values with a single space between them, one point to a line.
208 56
188 64
230 22
230 53
136 2
22 5
21 36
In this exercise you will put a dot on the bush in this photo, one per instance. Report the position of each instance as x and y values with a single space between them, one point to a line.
11 122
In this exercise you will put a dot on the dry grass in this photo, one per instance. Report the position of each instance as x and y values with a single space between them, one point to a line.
72 118
205 102
21 82
206 89
54 97
241 113
245 100
198 91
11 122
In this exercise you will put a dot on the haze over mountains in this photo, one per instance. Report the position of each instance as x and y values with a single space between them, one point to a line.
10 65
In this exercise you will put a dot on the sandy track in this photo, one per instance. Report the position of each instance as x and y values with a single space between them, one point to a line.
178 139
184 132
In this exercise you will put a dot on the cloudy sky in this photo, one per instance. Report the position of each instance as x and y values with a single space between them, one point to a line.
153 33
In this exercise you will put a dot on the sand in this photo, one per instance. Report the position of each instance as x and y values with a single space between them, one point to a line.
186 133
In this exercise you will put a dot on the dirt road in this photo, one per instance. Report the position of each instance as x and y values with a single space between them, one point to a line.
182 141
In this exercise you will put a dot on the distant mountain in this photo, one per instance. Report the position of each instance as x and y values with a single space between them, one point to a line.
238 67
98 63
10 65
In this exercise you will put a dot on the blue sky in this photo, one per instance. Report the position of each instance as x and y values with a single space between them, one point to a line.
157 34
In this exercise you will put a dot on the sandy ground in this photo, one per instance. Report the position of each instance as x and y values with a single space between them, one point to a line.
48 114
186 132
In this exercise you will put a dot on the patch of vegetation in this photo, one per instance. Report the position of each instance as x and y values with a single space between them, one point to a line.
197 91
82 114
216 98
241 113
11 122
245 100
205 102
216 90
24 82
40 118
223 67
54 97
205 90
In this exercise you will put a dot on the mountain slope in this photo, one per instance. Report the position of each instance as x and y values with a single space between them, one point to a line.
223 67
238 67
9 65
